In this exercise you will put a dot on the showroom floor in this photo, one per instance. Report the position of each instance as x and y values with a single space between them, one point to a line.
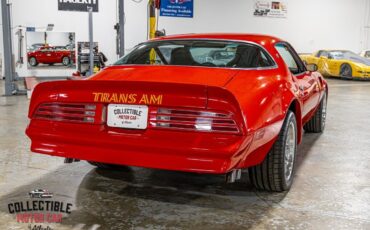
331 188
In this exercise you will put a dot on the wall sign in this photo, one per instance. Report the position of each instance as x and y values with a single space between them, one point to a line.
177 8
31 29
272 9
78 5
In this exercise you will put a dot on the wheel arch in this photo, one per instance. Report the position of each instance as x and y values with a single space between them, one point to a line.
257 155
346 63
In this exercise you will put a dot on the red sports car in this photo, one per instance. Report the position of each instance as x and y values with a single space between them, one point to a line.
50 55
169 105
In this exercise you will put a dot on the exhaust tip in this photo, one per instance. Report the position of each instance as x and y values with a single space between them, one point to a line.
233 176
70 160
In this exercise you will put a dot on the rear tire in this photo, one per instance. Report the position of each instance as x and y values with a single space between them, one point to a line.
318 121
276 172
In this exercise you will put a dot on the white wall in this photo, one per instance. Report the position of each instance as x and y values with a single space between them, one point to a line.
311 24
53 38
39 13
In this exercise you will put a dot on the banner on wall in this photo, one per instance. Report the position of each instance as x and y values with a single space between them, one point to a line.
78 5
272 9
177 8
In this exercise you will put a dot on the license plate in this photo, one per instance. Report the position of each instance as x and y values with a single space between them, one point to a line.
127 116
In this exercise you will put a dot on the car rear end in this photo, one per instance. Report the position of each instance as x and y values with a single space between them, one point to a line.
184 127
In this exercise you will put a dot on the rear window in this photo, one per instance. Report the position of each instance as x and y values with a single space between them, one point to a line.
198 53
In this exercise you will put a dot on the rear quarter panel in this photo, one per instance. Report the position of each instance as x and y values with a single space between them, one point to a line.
264 98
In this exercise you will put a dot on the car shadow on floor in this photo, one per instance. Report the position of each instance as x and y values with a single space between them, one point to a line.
133 196
175 192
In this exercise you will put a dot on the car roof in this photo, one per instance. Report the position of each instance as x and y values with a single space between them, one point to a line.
256 38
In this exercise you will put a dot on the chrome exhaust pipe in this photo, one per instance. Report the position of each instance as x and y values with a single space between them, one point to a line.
70 160
233 176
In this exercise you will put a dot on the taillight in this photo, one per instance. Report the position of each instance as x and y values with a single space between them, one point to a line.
193 120
82 113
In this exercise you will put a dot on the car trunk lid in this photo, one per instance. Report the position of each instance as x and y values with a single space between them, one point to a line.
168 74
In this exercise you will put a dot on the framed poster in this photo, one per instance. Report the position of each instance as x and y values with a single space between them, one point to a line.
272 9
51 50
177 8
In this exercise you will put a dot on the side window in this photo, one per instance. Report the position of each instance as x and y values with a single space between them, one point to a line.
264 60
45 50
324 54
290 59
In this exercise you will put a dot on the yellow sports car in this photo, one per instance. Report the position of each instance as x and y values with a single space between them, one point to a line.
339 63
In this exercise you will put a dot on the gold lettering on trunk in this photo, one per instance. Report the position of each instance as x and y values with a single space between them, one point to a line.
155 100
144 99
113 98
132 98
124 98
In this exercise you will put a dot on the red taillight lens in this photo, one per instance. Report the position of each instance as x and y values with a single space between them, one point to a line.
192 120
83 113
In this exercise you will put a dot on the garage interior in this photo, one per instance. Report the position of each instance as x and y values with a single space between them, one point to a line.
332 180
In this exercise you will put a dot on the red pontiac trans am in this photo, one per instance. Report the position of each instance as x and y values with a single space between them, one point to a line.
50 55
169 105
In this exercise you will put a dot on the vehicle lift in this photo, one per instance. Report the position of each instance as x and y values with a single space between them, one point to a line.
153 9
11 77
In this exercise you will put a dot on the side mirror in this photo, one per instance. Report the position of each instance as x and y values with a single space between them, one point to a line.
312 67
323 57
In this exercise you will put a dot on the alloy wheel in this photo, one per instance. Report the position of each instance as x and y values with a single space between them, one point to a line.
324 109
290 149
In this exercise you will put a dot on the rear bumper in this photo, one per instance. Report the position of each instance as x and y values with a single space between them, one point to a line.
162 149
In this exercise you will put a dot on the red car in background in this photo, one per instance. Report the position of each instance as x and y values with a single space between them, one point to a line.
51 55
169 105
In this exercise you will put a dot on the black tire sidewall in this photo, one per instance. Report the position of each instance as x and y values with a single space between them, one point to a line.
290 119
323 104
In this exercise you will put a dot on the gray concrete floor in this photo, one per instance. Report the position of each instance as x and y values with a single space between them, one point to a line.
331 188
